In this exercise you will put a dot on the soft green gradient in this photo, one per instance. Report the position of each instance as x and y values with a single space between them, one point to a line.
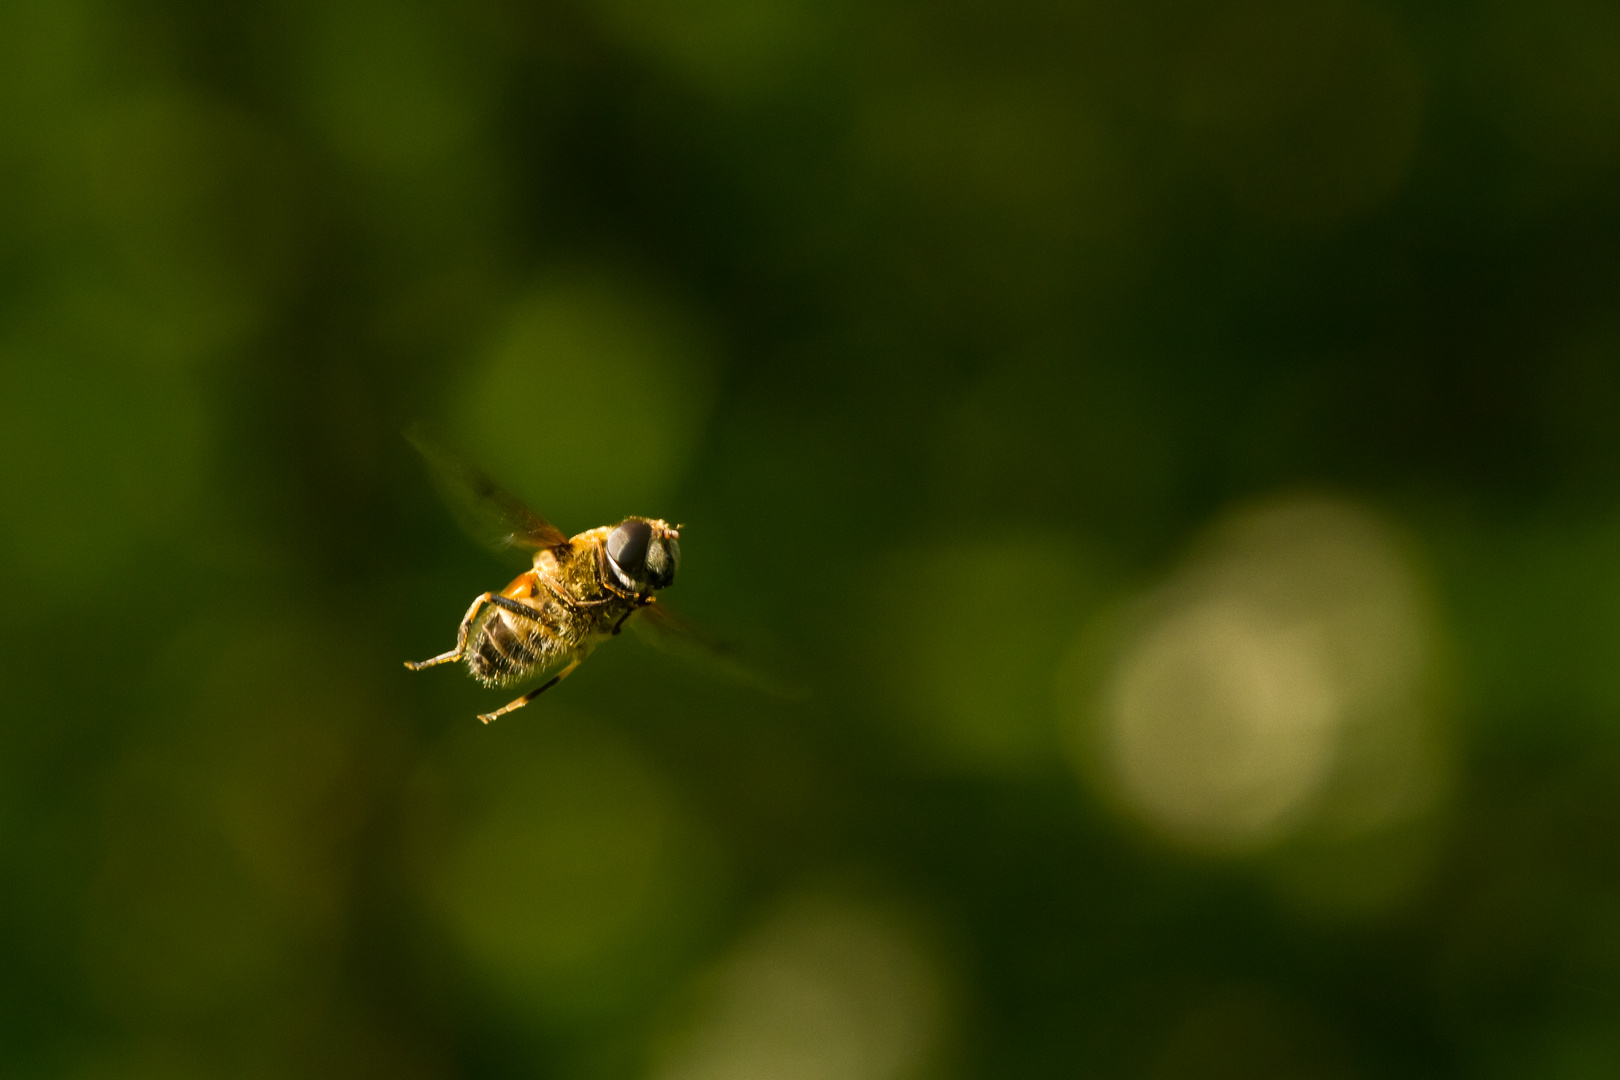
1174 446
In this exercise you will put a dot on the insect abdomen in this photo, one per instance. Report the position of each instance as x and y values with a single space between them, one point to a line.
507 648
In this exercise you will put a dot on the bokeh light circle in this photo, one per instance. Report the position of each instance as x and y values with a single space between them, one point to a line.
1278 684
829 987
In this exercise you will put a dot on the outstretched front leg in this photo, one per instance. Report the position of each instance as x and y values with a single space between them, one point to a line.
532 694
641 602
461 637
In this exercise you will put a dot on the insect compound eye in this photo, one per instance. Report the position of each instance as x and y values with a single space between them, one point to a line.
663 559
627 547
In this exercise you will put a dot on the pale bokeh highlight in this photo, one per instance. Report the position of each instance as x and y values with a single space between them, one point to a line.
1224 722
826 989
1280 683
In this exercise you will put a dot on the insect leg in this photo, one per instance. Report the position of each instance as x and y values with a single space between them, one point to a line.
568 598
532 694
506 603
641 603
461 637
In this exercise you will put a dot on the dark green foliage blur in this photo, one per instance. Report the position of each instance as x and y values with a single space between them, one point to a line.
1175 446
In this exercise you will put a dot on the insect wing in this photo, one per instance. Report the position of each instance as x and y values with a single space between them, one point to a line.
669 633
490 514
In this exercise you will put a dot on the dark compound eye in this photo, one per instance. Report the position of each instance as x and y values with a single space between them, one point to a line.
627 547
663 559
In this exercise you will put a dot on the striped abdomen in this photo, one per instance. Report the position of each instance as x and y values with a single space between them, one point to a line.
508 648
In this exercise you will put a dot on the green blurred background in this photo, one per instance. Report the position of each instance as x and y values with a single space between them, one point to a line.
1174 444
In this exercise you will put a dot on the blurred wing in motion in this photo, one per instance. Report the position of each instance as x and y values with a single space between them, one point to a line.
491 515
669 633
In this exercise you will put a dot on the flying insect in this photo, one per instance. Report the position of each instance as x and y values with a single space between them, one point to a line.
580 590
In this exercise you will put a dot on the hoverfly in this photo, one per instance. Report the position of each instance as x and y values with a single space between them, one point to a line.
579 592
